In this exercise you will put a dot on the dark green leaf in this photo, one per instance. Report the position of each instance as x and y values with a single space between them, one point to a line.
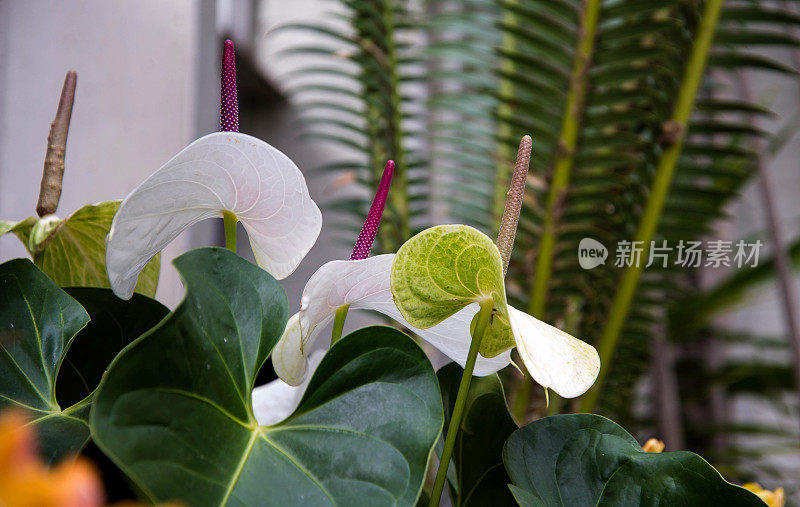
175 413
585 459
114 324
47 343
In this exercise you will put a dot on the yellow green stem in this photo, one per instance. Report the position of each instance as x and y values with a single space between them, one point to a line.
484 317
398 195
504 113
229 221
338 323
522 400
562 172
565 154
665 170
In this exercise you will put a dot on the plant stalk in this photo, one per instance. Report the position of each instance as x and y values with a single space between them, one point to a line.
562 172
504 113
338 323
399 193
565 153
783 269
229 221
53 173
484 318
665 170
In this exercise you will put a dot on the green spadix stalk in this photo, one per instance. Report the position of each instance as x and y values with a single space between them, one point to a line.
505 243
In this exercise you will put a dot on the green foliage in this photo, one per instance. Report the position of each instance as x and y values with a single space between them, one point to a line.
72 251
480 478
445 268
49 347
584 459
175 413
505 70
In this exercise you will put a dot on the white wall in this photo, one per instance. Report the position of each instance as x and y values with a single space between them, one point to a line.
134 105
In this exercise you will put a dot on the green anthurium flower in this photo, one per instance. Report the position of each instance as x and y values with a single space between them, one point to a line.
442 270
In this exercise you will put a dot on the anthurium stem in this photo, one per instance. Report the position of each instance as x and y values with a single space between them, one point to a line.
629 282
230 221
484 317
505 111
565 156
338 323
562 170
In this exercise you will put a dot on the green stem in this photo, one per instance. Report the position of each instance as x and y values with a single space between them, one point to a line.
229 220
504 113
565 153
629 281
522 400
398 193
562 172
484 317
338 323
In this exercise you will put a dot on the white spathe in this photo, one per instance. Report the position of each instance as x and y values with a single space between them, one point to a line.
555 359
223 171
365 284
275 401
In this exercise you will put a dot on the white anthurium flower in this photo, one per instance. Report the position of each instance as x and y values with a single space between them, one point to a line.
365 284
220 172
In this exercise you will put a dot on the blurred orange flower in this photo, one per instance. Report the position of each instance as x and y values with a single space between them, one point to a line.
653 445
775 498
25 481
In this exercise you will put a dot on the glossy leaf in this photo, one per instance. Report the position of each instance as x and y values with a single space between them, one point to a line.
445 268
48 348
478 456
585 459
72 251
223 171
175 413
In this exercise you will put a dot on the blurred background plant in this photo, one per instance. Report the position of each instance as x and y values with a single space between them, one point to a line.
662 120
645 128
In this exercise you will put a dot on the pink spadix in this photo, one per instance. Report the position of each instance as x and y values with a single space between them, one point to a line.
370 229
228 106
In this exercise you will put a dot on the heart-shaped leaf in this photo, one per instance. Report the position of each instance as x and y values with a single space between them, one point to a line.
45 344
72 251
445 268
478 456
585 459
174 410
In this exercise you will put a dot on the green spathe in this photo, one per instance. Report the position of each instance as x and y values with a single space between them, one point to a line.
72 251
586 459
445 268
174 411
